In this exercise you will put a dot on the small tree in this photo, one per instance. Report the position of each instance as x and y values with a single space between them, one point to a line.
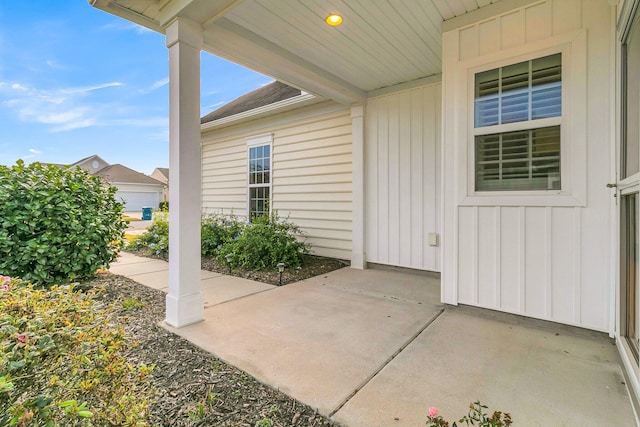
56 224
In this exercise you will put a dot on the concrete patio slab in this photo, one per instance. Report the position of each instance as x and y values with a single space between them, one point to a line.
150 272
542 376
221 288
316 343
376 348
132 269
399 286
128 258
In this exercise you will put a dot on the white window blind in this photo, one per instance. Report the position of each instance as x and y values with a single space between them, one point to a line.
527 158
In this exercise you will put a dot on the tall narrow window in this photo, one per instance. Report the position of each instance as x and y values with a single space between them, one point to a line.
518 113
259 180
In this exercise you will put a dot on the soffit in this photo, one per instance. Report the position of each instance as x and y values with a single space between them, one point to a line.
381 42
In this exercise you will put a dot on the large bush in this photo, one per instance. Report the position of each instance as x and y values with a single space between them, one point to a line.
56 224
217 230
264 243
63 361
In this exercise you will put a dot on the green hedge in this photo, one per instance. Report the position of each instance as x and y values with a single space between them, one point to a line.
56 224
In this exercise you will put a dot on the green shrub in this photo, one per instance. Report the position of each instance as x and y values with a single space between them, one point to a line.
155 241
477 416
62 361
264 243
216 230
56 224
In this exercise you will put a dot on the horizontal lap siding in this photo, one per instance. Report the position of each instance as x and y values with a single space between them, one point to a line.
311 184
312 181
224 176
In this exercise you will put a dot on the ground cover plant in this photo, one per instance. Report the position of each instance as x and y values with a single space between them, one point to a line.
63 362
56 224
477 416
174 382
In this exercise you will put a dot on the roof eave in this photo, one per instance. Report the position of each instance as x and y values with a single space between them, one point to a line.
267 110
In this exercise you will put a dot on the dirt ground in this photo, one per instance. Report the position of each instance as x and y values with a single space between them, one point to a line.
192 387
312 266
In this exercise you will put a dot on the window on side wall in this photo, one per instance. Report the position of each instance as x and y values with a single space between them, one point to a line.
517 126
259 175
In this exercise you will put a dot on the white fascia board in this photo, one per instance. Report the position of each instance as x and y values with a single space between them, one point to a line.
267 110
116 9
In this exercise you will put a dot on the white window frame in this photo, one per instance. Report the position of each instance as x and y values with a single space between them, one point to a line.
573 135
256 141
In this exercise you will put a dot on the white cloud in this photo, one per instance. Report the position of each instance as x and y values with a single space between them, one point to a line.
84 89
209 108
61 109
34 151
155 86
125 26
56 66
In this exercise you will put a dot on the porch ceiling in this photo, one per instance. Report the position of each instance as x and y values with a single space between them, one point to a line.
381 42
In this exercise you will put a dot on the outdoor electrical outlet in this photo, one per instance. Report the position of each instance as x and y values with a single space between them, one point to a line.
433 239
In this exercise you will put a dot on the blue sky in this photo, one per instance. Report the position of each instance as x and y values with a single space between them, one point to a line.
76 81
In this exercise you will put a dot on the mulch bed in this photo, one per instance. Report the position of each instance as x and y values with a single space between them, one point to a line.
194 388
311 267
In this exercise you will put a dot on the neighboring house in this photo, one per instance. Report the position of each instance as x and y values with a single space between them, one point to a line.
91 164
136 190
162 175
496 142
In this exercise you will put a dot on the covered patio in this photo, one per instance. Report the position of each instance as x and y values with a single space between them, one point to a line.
530 229
377 348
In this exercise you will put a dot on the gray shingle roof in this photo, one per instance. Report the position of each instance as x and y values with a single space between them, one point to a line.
123 174
269 94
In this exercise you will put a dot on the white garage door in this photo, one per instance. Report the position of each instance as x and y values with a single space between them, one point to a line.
134 201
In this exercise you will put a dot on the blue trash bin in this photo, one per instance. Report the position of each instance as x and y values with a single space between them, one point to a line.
146 213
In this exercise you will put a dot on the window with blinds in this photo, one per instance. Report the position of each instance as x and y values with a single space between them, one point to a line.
515 148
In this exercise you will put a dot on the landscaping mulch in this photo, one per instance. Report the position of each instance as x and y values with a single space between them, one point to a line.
192 387
312 266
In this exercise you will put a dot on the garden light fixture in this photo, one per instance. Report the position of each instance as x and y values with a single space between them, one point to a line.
280 270
228 257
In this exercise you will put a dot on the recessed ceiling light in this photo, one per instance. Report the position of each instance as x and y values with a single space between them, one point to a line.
333 19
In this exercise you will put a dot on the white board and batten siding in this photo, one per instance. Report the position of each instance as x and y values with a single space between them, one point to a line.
546 255
402 177
311 173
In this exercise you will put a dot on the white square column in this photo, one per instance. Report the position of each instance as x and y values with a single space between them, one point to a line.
358 255
184 300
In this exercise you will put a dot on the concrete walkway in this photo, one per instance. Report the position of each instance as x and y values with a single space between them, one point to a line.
376 348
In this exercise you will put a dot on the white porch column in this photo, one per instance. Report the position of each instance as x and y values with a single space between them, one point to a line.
358 255
184 300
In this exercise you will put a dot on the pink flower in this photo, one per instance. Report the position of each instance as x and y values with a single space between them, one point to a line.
4 279
4 287
433 412
22 338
